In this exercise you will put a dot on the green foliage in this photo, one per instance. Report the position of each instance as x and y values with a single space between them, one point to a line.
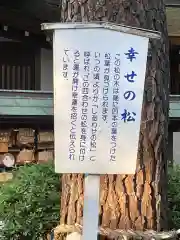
30 202
174 197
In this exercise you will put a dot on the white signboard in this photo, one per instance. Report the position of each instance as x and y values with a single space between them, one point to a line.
99 79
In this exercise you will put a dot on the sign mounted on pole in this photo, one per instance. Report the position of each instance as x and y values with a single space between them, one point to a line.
99 74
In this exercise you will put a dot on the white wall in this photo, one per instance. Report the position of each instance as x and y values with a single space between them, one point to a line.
176 147
46 69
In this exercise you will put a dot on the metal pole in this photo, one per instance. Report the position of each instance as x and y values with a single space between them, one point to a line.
91 207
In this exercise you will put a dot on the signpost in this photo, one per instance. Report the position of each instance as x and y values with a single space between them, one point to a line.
99 74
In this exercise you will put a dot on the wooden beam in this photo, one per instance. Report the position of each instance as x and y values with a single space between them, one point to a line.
19 20
46 122
174 40
19 35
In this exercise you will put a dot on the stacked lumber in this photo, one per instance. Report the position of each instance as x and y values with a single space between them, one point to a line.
5 176
3 147
25 136
5 135
25 156
45 139
4 141
45 149
26 145
25 141
4 144
44 156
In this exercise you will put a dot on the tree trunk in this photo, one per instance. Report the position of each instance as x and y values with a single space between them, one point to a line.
138 201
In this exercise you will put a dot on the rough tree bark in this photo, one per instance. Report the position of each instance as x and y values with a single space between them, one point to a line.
138 201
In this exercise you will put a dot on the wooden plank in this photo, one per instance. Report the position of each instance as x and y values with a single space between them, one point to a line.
5 176
45 156
1 159
45 136
5 135
46 146
25 136
16 57
3 147
174 40
25 156
13 138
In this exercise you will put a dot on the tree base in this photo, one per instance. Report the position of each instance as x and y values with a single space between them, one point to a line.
61 232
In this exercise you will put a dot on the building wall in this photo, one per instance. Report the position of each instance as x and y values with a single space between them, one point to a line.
43 67
46 72
2 39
